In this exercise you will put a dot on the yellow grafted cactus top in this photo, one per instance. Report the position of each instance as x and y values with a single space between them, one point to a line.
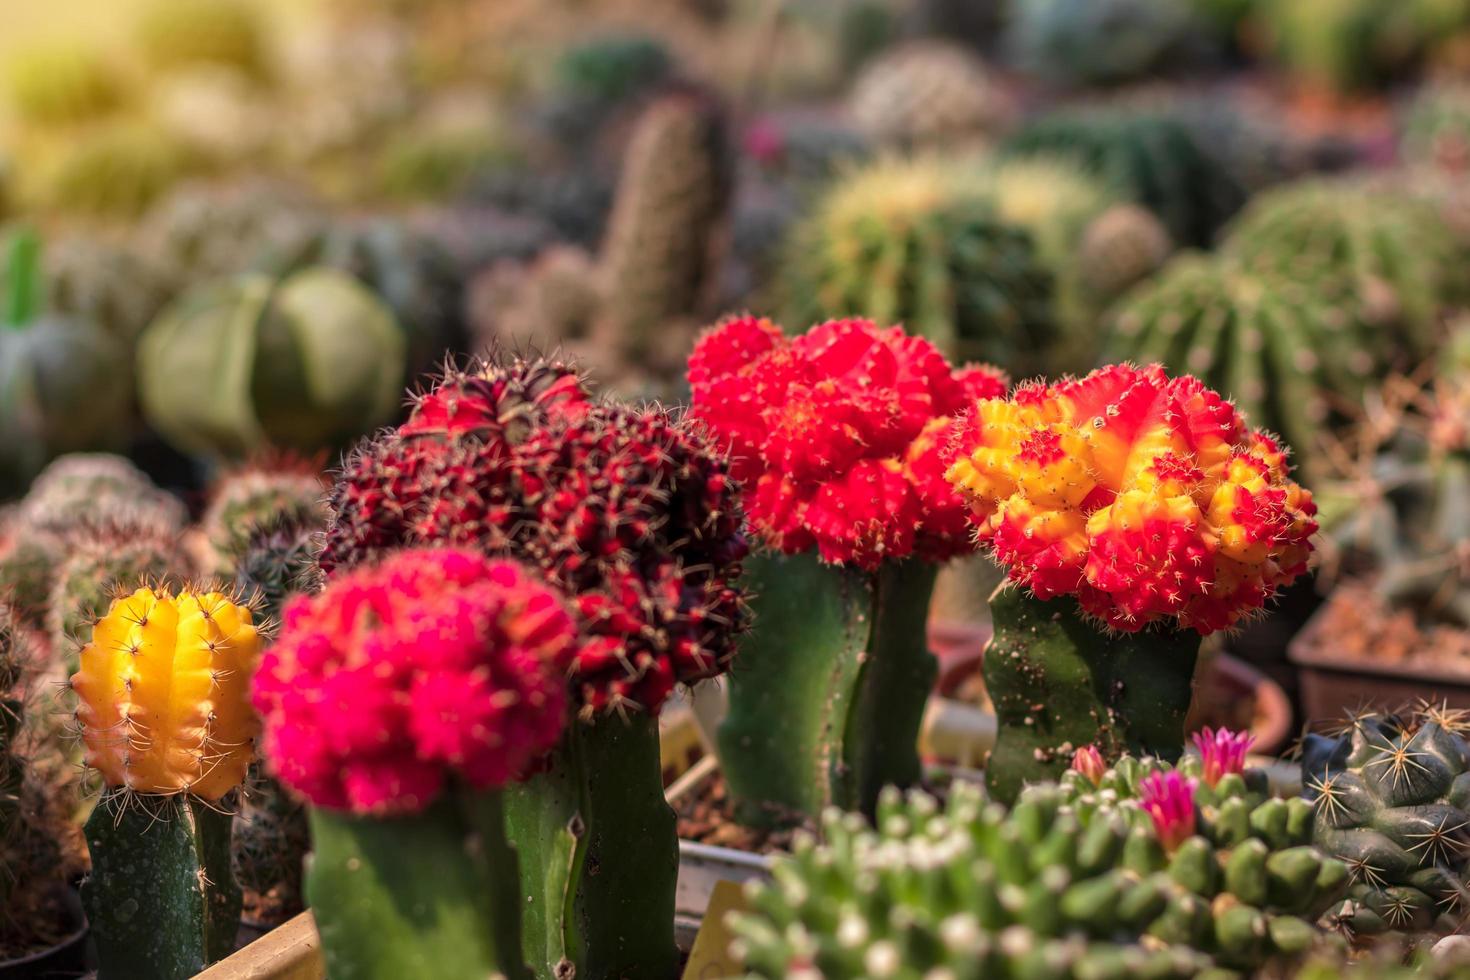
164 693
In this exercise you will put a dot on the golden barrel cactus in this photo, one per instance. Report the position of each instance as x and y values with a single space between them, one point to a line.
163 693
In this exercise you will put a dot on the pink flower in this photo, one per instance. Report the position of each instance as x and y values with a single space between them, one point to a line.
1222 751
1089 762
1168 797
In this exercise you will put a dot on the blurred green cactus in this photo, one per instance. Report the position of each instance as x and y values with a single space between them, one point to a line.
175 34
1080 43
62 83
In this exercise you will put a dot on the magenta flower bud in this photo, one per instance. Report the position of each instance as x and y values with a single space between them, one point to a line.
1168 797
1222 752
1089 762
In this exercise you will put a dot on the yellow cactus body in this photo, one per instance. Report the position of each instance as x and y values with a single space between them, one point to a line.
164 693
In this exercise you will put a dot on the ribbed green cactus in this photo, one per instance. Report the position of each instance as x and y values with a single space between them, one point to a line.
1390 796
927 93
60 387
1400 256
115 171
308 362
256 496
923 244
826 704
100 562
1079 43
1289 353
1063 886
1148 155
657 258
61 84
1059 683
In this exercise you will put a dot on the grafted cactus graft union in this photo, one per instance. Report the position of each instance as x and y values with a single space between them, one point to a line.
839 436
164 713
632 514
1135 513
399 702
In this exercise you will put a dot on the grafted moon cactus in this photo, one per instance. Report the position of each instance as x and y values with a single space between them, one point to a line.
164 712
840 438
1135 512
399 701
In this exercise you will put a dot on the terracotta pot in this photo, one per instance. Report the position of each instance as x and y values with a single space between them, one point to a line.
64 961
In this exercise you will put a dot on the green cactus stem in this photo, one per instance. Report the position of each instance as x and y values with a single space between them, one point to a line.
427 895
161 899
584 828
1060 683
23 279
829 690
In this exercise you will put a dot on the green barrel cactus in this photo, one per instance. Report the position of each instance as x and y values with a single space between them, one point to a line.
1082 43
174 34
62 83
104 281
1149 156
1288 352
926 93
657 258
255 496
307 362
1402 259
923 244
1390 797
1124 246
1063 886
81 487
61 389
608 68
115 171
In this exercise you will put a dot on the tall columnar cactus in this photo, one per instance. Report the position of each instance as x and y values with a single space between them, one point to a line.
164 712
101 560
924 244
637 518
927 93
1067 885
1150 156
1133 513
1289 352
658 256
1080 43
60 388
1391 797
1398 253
838 436
307 362
441 674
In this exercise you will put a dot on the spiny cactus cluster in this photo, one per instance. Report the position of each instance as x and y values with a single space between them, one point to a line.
436 664
264 492
1391 797
1289 352
923 243
163 693
625 508
1070 883
839 435
1147 497
927 93
1397 252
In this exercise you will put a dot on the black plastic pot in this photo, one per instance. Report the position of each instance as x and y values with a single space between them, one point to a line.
66 960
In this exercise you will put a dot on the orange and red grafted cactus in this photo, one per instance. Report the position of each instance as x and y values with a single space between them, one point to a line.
1145 496
163 693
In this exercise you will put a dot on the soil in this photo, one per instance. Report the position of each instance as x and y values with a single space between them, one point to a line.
706 816
35 920
266 910
1356 624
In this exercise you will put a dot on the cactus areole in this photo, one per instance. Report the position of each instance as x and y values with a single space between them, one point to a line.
1134 513
839 437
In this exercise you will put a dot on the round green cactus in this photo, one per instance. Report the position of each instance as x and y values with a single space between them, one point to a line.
258 496
1079 43
176 34
1125 245
1401 258
61 84
1391 797
81 487
923 243
1285 351
115 171
1149 156
925 93
104 281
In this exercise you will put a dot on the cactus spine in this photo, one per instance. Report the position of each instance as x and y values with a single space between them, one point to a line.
164 713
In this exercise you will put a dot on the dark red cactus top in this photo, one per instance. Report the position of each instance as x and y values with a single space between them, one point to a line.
840 435
435 663
627 510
